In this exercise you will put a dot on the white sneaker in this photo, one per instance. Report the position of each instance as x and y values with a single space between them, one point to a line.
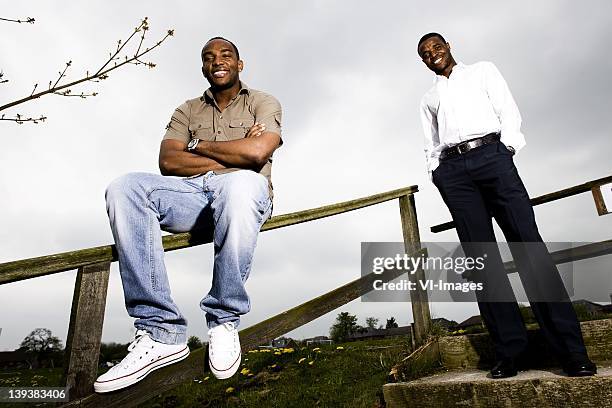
145 355
224 350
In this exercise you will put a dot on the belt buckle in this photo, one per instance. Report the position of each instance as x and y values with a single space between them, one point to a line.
461 147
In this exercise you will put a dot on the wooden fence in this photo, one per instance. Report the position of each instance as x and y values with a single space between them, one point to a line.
93 268
89 301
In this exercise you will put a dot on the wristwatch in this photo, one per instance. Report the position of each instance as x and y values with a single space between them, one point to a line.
192 144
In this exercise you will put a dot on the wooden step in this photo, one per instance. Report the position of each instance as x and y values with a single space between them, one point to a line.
476 350
532 388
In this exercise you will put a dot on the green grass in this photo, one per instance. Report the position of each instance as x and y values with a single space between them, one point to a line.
305 377
42 377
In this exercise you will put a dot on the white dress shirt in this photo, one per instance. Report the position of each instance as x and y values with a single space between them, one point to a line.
472 102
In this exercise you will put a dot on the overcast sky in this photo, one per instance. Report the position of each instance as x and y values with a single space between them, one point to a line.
349 80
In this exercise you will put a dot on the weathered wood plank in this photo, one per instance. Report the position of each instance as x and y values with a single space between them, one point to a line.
85 330
578 253
546 198
600 203
412 244
260 333
49 264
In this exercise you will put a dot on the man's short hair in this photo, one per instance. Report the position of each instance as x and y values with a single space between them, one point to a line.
224 39
428 36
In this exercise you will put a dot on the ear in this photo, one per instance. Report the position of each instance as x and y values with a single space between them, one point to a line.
203 73
240 65
448 45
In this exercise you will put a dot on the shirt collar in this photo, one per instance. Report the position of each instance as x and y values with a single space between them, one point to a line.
459 67
244 89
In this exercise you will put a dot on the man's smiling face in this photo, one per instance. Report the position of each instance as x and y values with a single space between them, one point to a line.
220 64
436 54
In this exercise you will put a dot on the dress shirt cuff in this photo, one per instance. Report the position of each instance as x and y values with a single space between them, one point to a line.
514 139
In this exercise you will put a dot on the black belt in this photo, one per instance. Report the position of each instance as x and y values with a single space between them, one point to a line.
468 145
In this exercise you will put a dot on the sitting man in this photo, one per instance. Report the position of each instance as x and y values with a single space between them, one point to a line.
216 162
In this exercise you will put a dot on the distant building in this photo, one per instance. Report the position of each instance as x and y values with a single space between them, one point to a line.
449 325
370 333
282 342
470 322
318 340
591 307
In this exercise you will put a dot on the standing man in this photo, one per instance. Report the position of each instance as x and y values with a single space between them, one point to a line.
472 130
216 162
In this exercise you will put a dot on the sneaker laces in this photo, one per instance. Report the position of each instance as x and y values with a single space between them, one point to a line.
140 334
225 335
135 348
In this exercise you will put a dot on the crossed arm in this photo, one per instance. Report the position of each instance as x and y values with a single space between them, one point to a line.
252 152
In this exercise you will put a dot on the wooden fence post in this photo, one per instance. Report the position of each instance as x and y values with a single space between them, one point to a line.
412 243
85 330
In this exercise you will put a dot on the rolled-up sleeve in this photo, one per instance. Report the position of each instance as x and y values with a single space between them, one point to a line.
178 127
268 111
505 107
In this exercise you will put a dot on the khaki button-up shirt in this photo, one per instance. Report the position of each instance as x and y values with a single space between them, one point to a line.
201 118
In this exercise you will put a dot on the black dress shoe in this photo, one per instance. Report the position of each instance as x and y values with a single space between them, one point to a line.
503 369
580 367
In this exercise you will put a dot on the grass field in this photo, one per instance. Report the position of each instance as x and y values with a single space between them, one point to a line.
42 377
346 375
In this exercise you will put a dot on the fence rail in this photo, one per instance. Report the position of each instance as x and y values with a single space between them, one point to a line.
543 199
93 268
50 264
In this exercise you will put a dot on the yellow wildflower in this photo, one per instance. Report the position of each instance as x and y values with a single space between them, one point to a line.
301 360
229 390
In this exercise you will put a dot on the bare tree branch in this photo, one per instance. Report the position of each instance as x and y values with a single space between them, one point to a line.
27 20
2 80
20 119
63 89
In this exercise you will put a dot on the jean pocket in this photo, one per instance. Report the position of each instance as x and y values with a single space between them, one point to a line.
502 148
264 209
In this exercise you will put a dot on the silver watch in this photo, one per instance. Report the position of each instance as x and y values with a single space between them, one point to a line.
193 143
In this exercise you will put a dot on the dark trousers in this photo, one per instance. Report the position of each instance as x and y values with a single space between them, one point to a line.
485 182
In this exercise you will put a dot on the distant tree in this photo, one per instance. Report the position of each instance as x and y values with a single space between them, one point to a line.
345 325
43 344
391 323
41 340
371 322
112 351
194 342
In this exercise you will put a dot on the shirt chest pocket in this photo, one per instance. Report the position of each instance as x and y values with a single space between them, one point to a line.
239 127
202 131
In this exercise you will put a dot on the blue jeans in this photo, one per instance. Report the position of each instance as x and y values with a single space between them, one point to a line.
140 205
